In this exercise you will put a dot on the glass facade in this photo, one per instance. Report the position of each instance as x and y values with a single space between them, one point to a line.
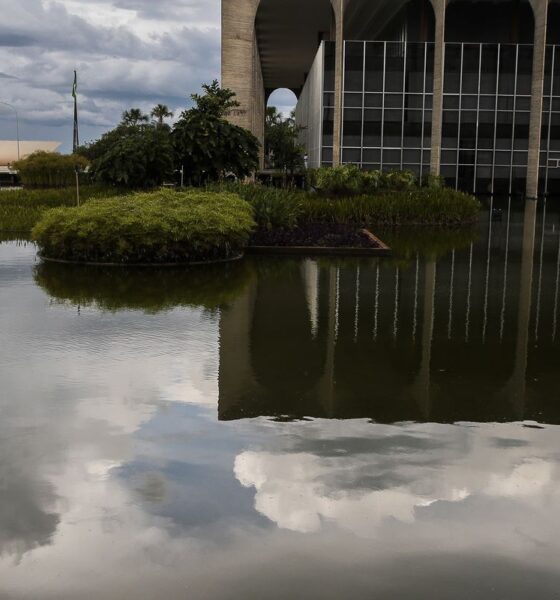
550 140
328 103
487 102
387 105
387 112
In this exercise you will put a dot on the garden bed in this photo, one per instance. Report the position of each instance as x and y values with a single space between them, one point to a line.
317 238
160 228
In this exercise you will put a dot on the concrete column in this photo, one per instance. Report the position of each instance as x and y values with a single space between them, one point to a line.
338 8
439 65
241 69
540 11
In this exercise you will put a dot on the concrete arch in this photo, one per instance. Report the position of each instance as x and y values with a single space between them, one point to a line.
553 29
288 37
362 21
491 21
248 56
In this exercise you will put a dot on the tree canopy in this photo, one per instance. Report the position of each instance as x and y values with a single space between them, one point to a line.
282 148
142 154
207 145
49 169
137 156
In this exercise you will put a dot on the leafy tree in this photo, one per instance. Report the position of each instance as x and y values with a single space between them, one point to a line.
160 112
136 156
216 101
134 116
207 145
282 147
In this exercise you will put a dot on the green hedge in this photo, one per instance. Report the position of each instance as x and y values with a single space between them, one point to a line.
277 208
350 180
49 169
158 227
20 210
420 206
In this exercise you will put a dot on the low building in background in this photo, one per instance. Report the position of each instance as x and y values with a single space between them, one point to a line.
9 155
466 89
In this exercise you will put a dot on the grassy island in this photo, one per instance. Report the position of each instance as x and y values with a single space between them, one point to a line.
163 227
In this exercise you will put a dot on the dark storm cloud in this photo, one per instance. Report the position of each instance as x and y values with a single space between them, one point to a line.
127 53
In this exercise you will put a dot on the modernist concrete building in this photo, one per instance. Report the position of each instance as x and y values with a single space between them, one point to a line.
469 89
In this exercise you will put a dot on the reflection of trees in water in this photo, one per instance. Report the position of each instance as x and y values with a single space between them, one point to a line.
148 289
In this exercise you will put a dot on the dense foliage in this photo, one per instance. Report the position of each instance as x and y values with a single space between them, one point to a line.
140 154
21 209
276 208
135 154
281 140
49 169
350 180
207 146
159 227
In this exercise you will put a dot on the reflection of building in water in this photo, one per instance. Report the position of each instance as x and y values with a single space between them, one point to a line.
472 336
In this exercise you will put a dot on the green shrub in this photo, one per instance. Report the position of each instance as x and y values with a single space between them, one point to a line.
350 180
136 156
49 169
433 181
414 207
272 207
396 180
338 181
158 227
277 208
20 210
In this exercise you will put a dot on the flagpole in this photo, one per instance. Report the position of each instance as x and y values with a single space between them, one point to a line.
76 140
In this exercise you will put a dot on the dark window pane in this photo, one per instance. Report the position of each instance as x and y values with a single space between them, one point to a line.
353 66
374 66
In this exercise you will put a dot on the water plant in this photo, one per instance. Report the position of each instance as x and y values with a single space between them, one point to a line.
21 209
157 227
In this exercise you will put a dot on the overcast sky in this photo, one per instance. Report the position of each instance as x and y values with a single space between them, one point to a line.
127 53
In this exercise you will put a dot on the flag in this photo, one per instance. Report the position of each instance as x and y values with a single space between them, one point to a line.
76 142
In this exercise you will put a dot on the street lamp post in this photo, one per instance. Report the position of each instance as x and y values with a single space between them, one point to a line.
17 123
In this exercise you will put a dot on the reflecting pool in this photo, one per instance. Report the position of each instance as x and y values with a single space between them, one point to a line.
287 428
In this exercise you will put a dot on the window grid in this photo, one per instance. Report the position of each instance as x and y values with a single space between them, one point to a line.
550 140
387 124
486 112
476 136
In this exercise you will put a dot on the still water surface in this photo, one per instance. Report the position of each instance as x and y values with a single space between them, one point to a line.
286 428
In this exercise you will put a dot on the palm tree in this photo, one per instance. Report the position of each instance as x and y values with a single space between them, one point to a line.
161 112
134 116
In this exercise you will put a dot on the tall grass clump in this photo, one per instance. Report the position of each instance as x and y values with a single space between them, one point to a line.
421 206
273 208
157 227
285 209
49 169
21 209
